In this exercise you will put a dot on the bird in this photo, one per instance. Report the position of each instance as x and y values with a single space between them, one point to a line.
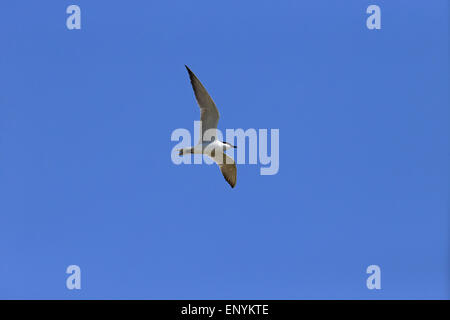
209 117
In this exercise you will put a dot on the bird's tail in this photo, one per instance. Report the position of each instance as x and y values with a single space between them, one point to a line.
184 151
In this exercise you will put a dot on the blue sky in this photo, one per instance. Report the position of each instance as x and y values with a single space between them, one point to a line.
86 176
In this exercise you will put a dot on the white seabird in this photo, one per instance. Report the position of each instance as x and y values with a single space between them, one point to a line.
209 117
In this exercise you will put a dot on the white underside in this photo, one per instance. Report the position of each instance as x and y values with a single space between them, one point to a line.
208 147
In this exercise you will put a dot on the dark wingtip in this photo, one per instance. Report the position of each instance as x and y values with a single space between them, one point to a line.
230 182
191 74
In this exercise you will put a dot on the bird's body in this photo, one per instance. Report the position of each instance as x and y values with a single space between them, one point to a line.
206 147
208 144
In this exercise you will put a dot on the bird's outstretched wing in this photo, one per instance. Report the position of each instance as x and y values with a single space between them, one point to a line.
227 167
209 115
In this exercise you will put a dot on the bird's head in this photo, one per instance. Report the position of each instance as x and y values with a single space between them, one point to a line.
228 145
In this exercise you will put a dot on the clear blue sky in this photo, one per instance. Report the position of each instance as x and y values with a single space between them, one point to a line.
86 176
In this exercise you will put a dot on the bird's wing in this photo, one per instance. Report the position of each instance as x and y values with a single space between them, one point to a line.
227 167
209 115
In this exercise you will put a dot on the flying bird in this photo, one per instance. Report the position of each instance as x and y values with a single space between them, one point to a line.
209 117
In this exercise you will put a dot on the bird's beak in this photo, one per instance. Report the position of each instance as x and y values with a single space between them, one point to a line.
235 147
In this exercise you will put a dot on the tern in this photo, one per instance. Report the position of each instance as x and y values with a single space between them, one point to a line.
209 117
